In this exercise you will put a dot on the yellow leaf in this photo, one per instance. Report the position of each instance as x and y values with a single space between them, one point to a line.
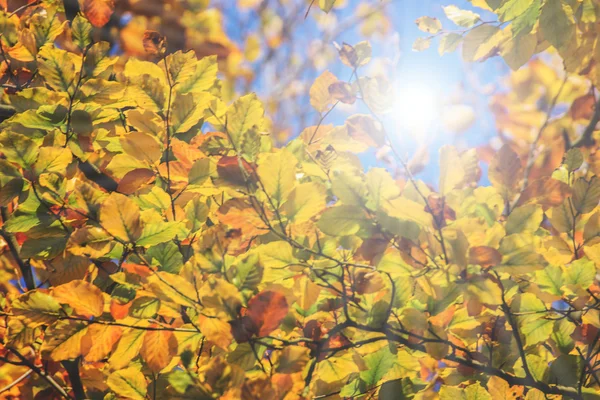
305 201
65 340
244 114
158 349
58 68
452 173
320 98
128 347
216 330
128 384
103 339
36 309
142 146
429 24
120 216
85 299
277 172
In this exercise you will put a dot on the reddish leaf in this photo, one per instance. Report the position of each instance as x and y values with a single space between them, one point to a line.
546 191
583 107
484 256
154 43
134 180
266 310
98 12
342 91
230 169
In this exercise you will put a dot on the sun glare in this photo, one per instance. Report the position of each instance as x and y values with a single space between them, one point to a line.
416 109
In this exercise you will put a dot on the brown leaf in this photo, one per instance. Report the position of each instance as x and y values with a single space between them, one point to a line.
266 310
505 171
134 180
230 170
484 256
342 91
440 210
98 12
546 191
154 43
366 129
583 107
348 55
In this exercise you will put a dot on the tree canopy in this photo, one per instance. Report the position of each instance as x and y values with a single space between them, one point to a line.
166 234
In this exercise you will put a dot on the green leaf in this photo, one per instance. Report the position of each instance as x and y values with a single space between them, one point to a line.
58 68
247 273
53 159
305 201
326 5
81 30
18 148
532 324
36 309
524 219
349 188
158 232
513 8
44 248
97 60
378 364
563 329
580 272
166 256
518 52
480 42
196 213
203 77
188 110
200 172
524 23
566 370
343 221
573 159
449 43
557 23
144 307
550 279
464 18
128 383
586 194
244 114
181 380
277 172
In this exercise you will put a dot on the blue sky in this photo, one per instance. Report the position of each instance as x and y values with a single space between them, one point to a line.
440 75
426 70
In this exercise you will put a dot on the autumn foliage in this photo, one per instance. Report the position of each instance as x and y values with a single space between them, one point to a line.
157 241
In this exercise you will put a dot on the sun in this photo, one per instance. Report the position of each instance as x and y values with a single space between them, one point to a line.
415 109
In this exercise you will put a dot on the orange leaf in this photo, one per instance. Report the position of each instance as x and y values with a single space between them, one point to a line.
484 256
85 298
154 42
134 180
98 12
583 107
267 309
103 338
158 349
546 191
